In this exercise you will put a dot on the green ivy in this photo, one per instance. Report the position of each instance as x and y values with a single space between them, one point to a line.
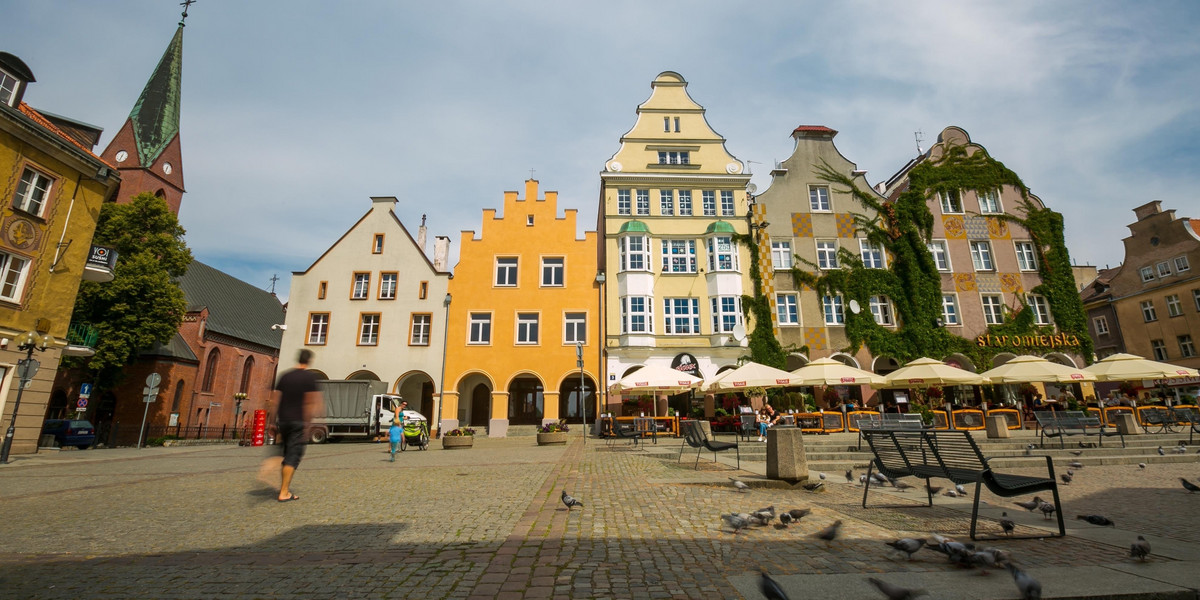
763 345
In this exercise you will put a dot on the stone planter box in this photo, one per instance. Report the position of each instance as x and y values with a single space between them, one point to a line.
546 439
456 442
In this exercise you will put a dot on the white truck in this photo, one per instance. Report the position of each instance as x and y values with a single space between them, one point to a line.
353 409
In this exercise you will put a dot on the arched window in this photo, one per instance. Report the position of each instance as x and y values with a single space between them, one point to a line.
210 370
246 369
178 397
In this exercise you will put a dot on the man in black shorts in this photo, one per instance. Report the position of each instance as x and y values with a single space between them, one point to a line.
297 400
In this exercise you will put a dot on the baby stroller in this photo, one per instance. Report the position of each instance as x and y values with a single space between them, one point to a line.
416 431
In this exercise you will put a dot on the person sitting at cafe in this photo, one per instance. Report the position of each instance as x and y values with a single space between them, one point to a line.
767 417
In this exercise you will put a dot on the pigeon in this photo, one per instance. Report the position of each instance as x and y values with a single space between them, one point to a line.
1003 557
799 513
821 476
741 487
758 520
812 486
770 588
570 501
1100 520
957 552
1077 452
829 533
1075 464
1029 587
1141 465
1031 505
1161 452
881 478
769 511
982 558
892 481
862 479
1066 478
1140 549
1189 486
736 522
908 546
1181 450
1029 450
951 493
849 476
1007 524
900 485
1047 509
962 491
785 519
934 490
895 592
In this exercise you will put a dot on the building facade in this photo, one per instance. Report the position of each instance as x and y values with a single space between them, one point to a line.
673 200
373 307
524 312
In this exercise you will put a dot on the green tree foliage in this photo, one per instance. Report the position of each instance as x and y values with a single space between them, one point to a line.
143 304
764 346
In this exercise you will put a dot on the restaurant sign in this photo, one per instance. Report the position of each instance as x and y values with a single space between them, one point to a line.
103 257
687 363
1029 341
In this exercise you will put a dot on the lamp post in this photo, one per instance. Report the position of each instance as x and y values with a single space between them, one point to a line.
601 366
26 368
238 398
582 387
437 404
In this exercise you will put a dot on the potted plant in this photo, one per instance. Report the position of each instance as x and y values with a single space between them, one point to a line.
553 433
463 437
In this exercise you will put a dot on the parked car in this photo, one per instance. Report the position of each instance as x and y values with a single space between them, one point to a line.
70 432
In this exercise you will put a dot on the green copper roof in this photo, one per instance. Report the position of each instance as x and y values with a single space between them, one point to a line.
156 115
720 227
634 226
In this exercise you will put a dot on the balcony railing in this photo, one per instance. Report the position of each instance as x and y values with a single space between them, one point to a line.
81 340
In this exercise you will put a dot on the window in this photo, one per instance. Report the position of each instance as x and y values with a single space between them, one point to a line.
387 286
1026 258
781 255
1040 308
529 220
981 256
989 202
676 124
1148 313
362 286
726 203
881 309
32 192
1196 298
993 309
8 88
624 202
818 198
671 157
420 330
318 327
14 269
635 315
377 245
368 331
721 254
1174 306
527 328
552 272
685 203
575 328
941 258
951 201
506 272
726 313
787 309
709 199
322 289
872 254
1181 264
480 328
1164 268
1160 349
1186 348
679 256
666 124
666 202
950 310
210 371
682 315
635 253
1147 274
643 202
1100 324
834 314
423 290
827 255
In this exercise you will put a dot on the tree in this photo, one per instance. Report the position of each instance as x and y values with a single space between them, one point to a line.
143 304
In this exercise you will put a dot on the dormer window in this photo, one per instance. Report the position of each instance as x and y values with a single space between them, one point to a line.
8 88
14 77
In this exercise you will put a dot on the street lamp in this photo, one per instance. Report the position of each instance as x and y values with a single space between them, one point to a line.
238 398
600 398
582 395
437 404
26 368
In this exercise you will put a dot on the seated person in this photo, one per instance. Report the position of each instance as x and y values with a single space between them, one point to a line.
767 417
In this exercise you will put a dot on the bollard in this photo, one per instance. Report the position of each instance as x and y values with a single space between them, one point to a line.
997 427
1126 424
786 458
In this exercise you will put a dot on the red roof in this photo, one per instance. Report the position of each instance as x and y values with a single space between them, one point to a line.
40 120
1195 225
814 129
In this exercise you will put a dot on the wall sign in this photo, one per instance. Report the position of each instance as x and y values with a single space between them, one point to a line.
687 363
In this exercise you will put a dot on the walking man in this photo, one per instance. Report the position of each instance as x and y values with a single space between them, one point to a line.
297 401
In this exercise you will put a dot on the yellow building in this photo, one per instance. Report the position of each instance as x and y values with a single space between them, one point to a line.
52 189
524 302
673 199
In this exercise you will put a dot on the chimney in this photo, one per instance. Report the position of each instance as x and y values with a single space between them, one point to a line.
421 235
441 252
1148 209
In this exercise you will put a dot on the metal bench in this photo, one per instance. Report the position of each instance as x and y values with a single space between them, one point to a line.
1061 424
1169 420
694 436
890 422
890 450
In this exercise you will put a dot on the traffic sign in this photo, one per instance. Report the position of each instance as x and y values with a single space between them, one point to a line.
153 379
85 390
81 403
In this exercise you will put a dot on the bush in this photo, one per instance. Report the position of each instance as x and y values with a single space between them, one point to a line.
559 427
161 440
460 432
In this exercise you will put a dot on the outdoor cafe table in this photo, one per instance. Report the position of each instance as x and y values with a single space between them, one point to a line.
665 425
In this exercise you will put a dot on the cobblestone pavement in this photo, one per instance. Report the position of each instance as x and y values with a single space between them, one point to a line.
487 522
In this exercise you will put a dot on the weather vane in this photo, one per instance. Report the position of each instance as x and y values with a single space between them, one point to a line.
186 4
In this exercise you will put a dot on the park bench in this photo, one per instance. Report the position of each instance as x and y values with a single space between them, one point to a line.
1168 420
1064 423
889 457
1189 417
890 422
694 436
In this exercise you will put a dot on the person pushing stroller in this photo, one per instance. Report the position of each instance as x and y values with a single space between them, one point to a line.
396 431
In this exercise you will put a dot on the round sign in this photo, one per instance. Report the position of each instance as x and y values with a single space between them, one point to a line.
687 363
153 379
81 403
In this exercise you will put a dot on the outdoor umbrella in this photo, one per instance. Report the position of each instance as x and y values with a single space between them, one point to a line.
927 372
656 378
1128 367
750 375
1029 369
827 371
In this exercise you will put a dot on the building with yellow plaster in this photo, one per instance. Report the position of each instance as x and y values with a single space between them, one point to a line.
524 304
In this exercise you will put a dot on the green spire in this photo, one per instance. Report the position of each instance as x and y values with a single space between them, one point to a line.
156 115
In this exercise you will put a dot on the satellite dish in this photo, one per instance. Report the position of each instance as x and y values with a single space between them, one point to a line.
739 332
751 188
854 307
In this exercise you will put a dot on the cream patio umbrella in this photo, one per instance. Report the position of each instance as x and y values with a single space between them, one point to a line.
750 375
827 371
927 372
1031 369
1128 367
656 378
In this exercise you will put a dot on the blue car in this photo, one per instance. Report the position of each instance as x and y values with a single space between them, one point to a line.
69 432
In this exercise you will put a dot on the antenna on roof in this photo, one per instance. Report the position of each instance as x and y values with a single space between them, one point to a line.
920 137
273 280
186 4
422 220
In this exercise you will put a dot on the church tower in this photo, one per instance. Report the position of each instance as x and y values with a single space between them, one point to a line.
146 149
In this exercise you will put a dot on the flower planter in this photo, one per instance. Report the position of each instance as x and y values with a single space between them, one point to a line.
455 442
557 437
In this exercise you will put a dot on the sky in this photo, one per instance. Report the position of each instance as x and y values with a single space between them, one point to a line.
295 113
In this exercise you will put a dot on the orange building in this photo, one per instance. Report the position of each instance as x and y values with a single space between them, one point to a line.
524 304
